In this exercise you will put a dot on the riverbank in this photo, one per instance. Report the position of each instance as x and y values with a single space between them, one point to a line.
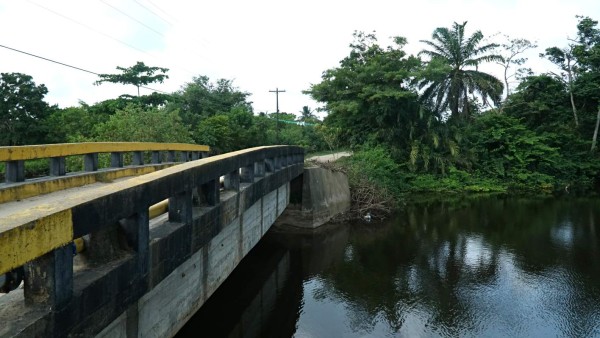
379 185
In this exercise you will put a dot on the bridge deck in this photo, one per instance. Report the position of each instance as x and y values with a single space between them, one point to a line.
31 208
163 270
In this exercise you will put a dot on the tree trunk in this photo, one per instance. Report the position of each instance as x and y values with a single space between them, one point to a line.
570 75
596 130
506 81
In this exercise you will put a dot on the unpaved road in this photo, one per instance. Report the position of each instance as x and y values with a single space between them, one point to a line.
330 157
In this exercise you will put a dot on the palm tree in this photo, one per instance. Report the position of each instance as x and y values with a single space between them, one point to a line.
448 82
307 115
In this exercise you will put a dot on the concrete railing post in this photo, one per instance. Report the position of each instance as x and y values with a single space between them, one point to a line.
183 156
138 158
58 166
210 192
137 233
116 160
247 174
90 162
232 180
269 165
203 154
15 171
171 156
180 208
195 155
49 278
156 159
277 161
285 161
259 168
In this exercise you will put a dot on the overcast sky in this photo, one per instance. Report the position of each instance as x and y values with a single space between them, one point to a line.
261 45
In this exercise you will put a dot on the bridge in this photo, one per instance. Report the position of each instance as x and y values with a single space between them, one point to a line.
131 250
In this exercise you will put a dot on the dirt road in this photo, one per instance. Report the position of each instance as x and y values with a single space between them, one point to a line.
330 157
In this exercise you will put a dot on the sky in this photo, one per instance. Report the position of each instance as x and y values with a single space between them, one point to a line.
261 45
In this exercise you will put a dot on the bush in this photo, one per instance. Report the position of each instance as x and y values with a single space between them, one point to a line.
136 124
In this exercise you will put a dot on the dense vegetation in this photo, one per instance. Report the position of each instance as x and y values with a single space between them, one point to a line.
445 125
432 122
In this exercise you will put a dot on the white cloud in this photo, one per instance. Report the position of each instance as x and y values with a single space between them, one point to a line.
260 44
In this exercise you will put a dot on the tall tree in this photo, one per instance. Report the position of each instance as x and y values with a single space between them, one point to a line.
459 54
201 98
587 52
512 50
567 62
307 115
369 95
137 75
22 110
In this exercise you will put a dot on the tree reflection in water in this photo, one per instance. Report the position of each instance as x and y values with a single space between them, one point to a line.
479 266
482 266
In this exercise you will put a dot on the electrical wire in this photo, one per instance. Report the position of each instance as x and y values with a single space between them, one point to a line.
67 65
203 41
165 13
154 13
153 30
106 35
90 28
132 18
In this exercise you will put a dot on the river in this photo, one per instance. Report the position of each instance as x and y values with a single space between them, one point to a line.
479 266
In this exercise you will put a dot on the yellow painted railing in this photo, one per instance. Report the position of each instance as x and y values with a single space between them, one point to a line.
29 233
31 152
17 188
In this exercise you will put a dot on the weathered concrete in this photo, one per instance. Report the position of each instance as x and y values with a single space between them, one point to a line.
325 194
164 269
164 310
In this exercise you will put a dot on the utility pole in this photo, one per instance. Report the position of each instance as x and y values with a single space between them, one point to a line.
277 91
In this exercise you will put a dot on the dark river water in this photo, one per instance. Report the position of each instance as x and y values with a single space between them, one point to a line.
474 267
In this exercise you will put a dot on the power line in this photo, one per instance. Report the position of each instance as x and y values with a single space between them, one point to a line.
165 13
153 30
132 18
91 28
167 21
46 59
151 11
67 65
104 34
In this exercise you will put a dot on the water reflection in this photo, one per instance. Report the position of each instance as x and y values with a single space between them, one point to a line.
470 267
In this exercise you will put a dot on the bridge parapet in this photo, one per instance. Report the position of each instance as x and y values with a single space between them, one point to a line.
128 256
160 155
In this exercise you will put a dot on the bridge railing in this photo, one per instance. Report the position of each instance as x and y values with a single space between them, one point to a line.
17 187
40 237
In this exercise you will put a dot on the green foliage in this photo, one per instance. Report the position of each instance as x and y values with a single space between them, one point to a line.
137 75
201 99
526 160
134 124
375 165
22 110
448 83
369 94
214 131
73 124
541 103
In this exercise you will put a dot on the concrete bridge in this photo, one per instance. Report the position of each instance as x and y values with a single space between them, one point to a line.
151 248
